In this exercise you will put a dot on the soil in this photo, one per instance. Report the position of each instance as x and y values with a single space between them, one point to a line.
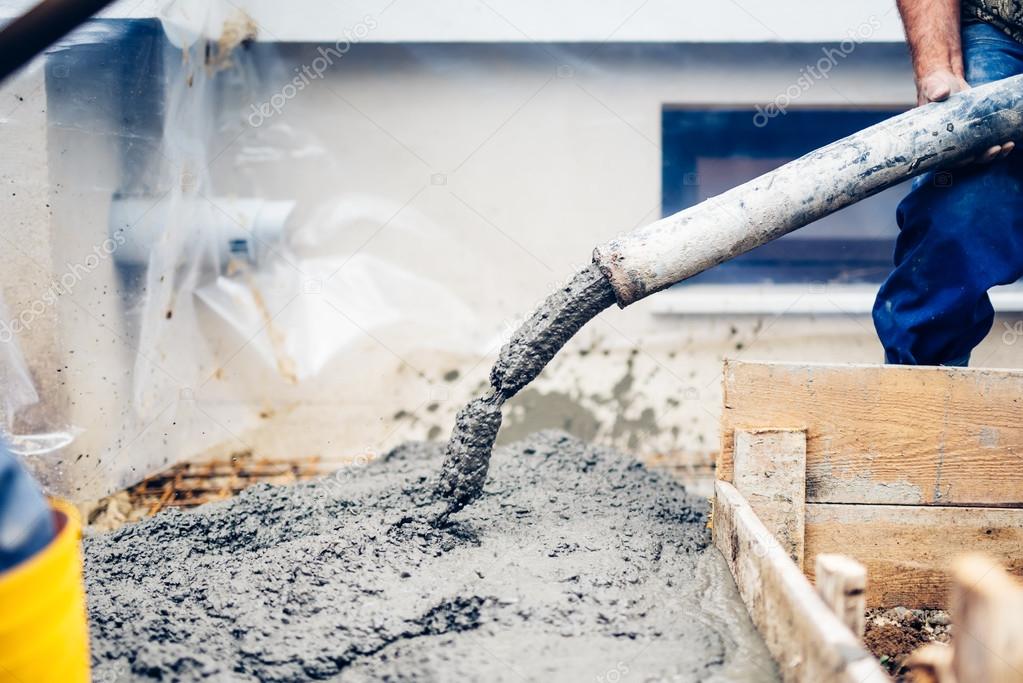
531 347
577 563
892 634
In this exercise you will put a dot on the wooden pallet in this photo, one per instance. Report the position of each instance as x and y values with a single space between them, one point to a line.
900 468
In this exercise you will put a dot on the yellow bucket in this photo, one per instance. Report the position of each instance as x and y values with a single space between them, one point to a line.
44 635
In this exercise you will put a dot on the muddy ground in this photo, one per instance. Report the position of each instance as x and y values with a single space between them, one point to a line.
576 564
892 634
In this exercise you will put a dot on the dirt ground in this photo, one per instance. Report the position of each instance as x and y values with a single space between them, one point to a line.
892 634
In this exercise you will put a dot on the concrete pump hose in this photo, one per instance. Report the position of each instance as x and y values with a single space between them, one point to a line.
937 135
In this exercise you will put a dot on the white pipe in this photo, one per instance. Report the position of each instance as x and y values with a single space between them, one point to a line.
241 227
672 249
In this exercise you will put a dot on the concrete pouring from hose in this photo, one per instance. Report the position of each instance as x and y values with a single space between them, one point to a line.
639 263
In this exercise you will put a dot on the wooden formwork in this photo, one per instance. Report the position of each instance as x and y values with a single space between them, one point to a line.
902 469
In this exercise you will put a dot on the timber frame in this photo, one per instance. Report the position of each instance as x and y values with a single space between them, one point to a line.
869 480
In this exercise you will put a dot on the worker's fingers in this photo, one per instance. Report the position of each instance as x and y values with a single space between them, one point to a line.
936 91
990 154
938 86
927 94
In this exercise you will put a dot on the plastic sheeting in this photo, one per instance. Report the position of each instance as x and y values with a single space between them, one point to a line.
205 292
19 394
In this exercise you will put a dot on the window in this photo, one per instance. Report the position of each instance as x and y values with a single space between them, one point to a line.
709 151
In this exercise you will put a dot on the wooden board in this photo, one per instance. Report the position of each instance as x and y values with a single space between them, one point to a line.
908 550
806 639
888 434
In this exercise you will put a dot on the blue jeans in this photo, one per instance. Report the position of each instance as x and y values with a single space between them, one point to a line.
960 233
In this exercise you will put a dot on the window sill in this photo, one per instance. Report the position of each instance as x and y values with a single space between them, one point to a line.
792 299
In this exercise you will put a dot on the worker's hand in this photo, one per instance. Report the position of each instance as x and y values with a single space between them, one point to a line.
936 86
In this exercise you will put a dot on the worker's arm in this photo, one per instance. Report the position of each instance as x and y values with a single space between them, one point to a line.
932 31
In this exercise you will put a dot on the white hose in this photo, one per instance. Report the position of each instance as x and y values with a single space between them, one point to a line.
672 249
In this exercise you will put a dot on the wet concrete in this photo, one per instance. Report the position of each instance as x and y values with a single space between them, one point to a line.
526 354
577 563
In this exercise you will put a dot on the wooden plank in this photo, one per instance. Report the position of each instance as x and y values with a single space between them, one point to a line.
987 611
908 549
770 473
807 640
842 583
888 434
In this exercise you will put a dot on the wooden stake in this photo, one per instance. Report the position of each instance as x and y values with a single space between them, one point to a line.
770 473
987 613
842 582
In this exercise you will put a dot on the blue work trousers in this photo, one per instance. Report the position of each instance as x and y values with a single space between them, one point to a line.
960 233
